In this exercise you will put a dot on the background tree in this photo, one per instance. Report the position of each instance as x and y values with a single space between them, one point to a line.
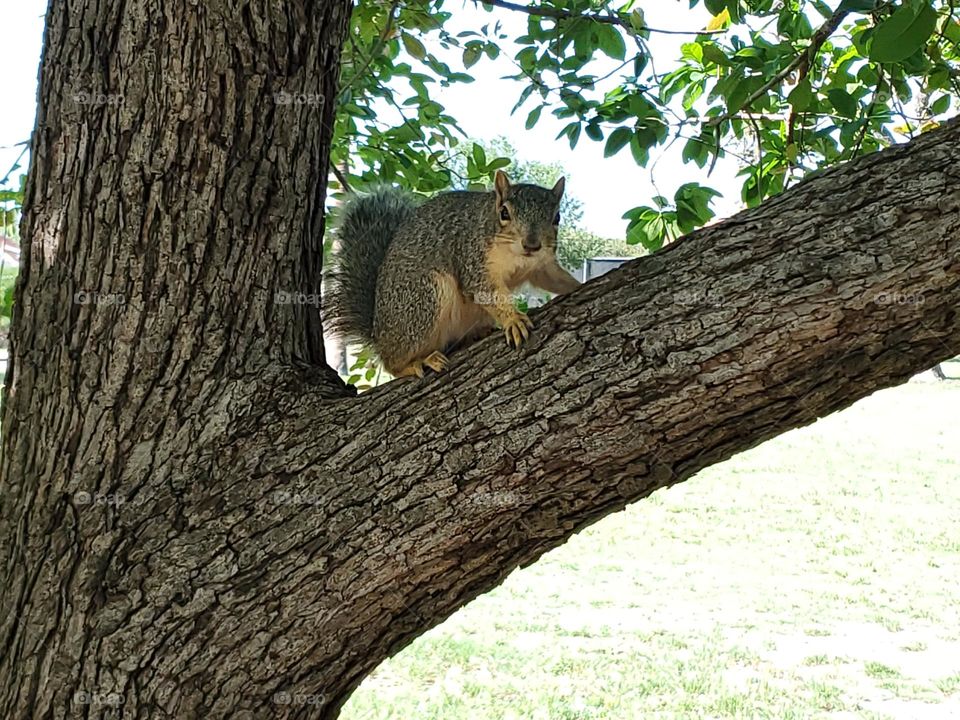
578 244
199 519
471 160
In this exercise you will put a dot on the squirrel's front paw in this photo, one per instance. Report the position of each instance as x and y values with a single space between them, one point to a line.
516 328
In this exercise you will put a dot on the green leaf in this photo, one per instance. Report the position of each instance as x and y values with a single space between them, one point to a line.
533 117
583 39
712 53
951 31
572 131
695 150
638 22
859 6
692 51
733 7
691 95
527 58
801 96
617 139
903 33
636 235
715 6
413 46
844 102
940 105
479 157
594 132
611 42
527 91
639 149
471 54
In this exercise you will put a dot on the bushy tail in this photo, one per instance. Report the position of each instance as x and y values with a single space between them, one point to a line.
366 227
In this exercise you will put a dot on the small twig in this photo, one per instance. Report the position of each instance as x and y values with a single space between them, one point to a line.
16 163
340 178
375 50
388 96
803 60
756 132
716 156
608 19
870 108
616 69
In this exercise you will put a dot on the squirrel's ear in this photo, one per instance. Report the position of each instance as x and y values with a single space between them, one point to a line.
558 188
501 184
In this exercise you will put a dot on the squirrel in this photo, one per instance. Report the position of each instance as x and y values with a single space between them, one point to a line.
410 280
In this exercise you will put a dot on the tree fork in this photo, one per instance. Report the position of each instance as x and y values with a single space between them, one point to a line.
199 520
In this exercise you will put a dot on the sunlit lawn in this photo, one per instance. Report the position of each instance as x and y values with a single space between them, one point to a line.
816 576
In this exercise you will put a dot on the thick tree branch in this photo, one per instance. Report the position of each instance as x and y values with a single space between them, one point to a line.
431 492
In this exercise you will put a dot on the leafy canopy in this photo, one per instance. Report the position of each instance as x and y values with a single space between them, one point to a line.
789 86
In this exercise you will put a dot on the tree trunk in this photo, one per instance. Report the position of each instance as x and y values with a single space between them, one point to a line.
200 520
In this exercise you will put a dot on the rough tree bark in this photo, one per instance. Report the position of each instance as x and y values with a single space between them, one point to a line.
200 520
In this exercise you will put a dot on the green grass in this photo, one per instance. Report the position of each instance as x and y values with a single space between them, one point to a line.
812 577
880 671
950 685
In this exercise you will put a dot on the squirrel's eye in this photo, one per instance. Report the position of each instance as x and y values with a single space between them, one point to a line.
556 220
504 213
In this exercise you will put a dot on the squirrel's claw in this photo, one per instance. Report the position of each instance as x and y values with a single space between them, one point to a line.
517 329
436 361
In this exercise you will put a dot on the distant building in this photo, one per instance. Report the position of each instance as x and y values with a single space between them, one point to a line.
595 267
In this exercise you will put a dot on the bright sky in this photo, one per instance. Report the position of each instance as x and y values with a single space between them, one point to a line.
22 37
607 187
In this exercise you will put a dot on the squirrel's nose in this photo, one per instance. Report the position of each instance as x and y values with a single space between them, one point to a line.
531 242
